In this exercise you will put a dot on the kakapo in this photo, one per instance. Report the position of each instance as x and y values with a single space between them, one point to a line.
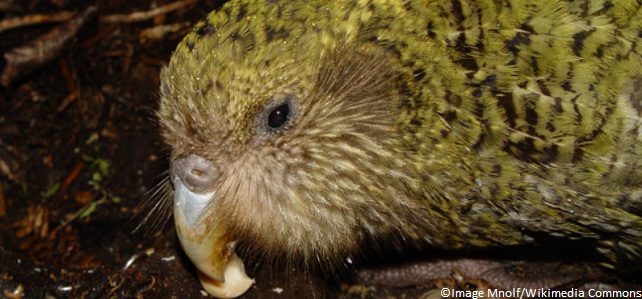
303 130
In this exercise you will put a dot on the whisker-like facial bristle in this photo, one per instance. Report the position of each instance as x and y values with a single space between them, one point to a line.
156 208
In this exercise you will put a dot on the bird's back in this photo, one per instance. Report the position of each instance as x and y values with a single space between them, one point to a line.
525 118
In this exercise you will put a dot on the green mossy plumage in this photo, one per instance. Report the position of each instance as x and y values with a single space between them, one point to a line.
457 123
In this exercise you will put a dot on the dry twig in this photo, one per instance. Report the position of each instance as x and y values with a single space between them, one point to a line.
146 15
158 32
30 20
42 50
63 16
22 60
72 176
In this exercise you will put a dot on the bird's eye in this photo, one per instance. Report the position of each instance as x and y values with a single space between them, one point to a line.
279 115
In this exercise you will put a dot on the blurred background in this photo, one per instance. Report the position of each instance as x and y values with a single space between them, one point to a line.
80 152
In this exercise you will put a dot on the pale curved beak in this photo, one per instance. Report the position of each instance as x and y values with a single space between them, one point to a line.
221 271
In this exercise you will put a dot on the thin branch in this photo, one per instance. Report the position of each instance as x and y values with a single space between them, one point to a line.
146 15
26 58
30 20
63 16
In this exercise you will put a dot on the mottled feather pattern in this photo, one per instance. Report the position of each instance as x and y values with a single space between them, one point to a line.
482 123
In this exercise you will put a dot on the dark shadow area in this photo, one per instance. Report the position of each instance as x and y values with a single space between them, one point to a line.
80 148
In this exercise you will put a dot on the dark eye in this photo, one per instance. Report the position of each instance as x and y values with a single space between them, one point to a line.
279 115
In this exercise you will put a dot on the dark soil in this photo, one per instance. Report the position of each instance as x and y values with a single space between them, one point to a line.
79 149
77 170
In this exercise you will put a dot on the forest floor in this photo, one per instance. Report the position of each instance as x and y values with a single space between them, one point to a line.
80 149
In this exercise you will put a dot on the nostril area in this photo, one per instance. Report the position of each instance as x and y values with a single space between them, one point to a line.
197 173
